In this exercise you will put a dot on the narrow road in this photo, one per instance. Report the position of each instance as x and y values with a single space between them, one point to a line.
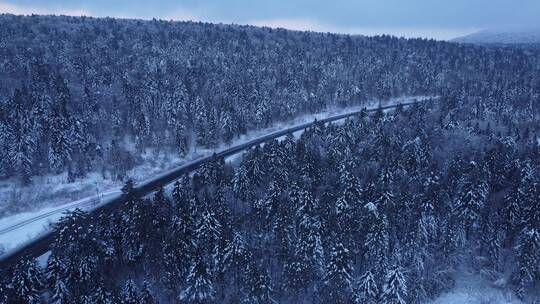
40 245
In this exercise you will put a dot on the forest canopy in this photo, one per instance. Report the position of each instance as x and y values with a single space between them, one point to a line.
81 94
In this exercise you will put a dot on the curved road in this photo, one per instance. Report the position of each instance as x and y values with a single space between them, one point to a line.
40 245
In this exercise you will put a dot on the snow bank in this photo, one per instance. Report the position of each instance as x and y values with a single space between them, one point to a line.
473 289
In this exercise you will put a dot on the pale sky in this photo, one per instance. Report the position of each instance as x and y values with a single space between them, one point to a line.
439 19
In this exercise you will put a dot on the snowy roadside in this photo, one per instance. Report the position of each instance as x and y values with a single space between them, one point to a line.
18 228
471 288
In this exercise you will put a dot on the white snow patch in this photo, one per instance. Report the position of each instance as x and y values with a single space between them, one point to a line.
473 289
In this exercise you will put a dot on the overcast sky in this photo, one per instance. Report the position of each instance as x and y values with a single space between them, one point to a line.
440 19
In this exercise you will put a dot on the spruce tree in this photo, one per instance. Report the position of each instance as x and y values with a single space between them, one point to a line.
101 295
199 286
60 293
56 273
337 283
146 294
366 291
258 286
22 143
26 282
376 242
208 234
130 293
472 198
395 288
235 254
60 149
528 258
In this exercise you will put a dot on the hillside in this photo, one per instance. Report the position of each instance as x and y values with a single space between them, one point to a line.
410 205
82 95
513 36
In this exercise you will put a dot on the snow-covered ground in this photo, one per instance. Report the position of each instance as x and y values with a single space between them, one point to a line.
18 228
472 289
55 195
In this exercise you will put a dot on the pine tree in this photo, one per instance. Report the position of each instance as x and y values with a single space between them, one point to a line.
22 144
26 282
258 286
208 233
512 211
60 293
86 299
395 289
470 201
130 294
199 288
102 296
6 138
528 259
347 204
385 200
80 155
227 126
242 184
235 254
309 246
337 285
366 291
376 242
255 167
306 264
181 194
55 275
142 130
531 210
146 295
132 226
298 273
60 149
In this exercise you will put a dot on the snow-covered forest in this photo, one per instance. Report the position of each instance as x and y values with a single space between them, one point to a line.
386 208
80 94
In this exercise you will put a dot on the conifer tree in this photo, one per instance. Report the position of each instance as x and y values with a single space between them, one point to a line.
235 255
376 242
55 275
101 295
26 282
366 291
337 283
60 149
60 293
471 199
23 144
146 295
395 289
208 233
258 285
199 288
130 293
241 183
528 259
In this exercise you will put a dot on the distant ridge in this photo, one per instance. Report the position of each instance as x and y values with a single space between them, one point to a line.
503 36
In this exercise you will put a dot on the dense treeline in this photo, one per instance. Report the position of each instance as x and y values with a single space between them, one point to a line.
81 94
387 208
